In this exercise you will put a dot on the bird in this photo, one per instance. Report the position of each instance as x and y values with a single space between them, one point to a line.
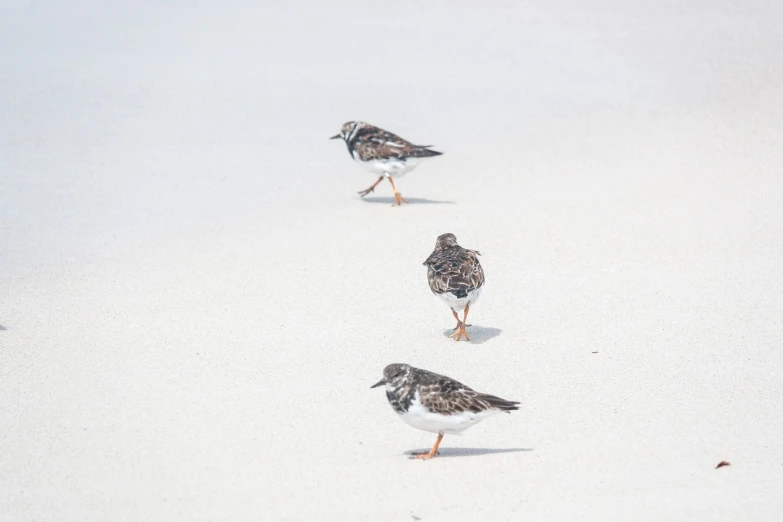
455 275
437 403
383 153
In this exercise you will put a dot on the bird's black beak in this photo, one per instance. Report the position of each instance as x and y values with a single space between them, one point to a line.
336 136
379 383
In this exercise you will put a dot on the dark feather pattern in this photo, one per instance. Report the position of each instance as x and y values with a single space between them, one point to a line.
451 268
437 393
367 142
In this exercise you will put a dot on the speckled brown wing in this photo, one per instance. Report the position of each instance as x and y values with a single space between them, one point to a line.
448 397
374 143
455 270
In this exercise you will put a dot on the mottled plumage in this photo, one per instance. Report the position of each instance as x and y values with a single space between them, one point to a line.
455 275
382 152
437 403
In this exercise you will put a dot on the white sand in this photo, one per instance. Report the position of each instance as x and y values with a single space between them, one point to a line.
196 302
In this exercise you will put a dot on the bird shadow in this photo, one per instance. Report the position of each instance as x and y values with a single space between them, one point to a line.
469 452
412 201
3 327
478 334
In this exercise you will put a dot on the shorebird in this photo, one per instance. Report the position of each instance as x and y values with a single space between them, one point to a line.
455 275
437 403
383 153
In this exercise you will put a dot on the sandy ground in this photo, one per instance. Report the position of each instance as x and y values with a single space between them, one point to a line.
195 302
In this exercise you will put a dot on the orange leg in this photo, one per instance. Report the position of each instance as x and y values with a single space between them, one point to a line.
459 323
465 317
433 451
364 192
398 199
461 327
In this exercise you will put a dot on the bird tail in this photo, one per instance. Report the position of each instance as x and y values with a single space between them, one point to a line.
500 404
423 152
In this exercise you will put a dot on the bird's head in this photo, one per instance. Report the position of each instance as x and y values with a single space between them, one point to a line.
347 130
394 376
445 241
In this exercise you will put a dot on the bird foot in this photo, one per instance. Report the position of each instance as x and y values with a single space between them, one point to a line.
398 199
460 332
423 456
364 192
459 325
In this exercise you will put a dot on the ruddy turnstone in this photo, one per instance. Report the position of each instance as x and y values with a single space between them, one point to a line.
436 403
455 275
383 153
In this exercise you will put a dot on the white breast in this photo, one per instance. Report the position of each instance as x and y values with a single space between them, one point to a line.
421 418
459 304
394 168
